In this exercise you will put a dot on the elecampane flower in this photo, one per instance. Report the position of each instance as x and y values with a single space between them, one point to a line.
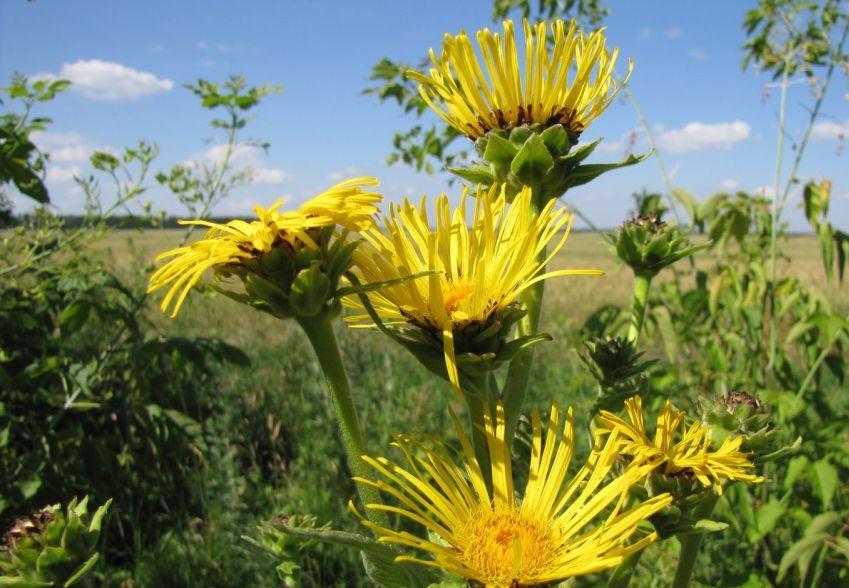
567 81
677 448
226 247
480 268
557 529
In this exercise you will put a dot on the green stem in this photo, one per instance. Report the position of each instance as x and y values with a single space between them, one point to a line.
622 575
519 372
690 545
638 312
319 330
478 401
776 212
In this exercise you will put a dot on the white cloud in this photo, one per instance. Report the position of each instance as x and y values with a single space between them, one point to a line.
828 130
244 157
729 185
63 174
673 32
698 136
219 47
107 80
625 143
698 54
645 32
348 172
70 148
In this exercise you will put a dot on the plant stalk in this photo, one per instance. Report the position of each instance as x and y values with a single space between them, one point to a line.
776 211
478 402
690 545
642 284
319 330
519 372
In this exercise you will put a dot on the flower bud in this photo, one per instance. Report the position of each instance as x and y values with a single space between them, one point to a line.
52 547
647 244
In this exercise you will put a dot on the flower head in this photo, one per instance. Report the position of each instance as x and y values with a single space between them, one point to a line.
569 81
478 270
239 246
554 531
677 448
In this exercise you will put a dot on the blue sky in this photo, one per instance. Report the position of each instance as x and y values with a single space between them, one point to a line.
716 124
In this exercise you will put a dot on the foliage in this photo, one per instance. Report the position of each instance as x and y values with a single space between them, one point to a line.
201 185
21 163
53 546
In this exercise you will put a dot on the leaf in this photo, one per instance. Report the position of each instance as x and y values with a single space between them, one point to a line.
477 174
74 316
499 150
82 571
363 288
795 468
688 202
556 139
766 517
586 173
825 479
532 162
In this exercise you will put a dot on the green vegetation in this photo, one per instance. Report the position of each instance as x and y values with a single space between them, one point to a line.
214 436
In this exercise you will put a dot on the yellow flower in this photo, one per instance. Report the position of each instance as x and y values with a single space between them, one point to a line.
480 269
679 449
229 248
558 529
568 82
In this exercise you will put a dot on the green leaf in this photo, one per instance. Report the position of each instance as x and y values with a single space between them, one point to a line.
477 174
586 173
499 150
556 139
766 517
363 288
82 571
825 479
688 202
532 162
74 316
310 290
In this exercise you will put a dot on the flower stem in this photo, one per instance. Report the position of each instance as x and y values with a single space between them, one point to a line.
642 283
622 575
478 402
690 545
319 330
519 372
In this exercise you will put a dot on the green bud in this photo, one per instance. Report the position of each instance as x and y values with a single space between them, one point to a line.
535 156
647 245
740 414
52 547
616 365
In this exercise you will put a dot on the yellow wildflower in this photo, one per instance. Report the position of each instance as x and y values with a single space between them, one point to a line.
553 532
569 81
228 248
480 269
677 448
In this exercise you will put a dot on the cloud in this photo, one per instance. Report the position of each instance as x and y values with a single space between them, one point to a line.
63 174
348 172
624 144
645 32
244 157
829 130
673 32
765 191
698 54
729 185
70 148
107 80
698 136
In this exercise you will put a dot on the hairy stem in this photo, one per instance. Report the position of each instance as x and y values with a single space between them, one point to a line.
642 284
519 372
478 402
319 330
690 545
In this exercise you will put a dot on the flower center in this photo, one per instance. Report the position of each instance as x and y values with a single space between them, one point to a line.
457 292
505 546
